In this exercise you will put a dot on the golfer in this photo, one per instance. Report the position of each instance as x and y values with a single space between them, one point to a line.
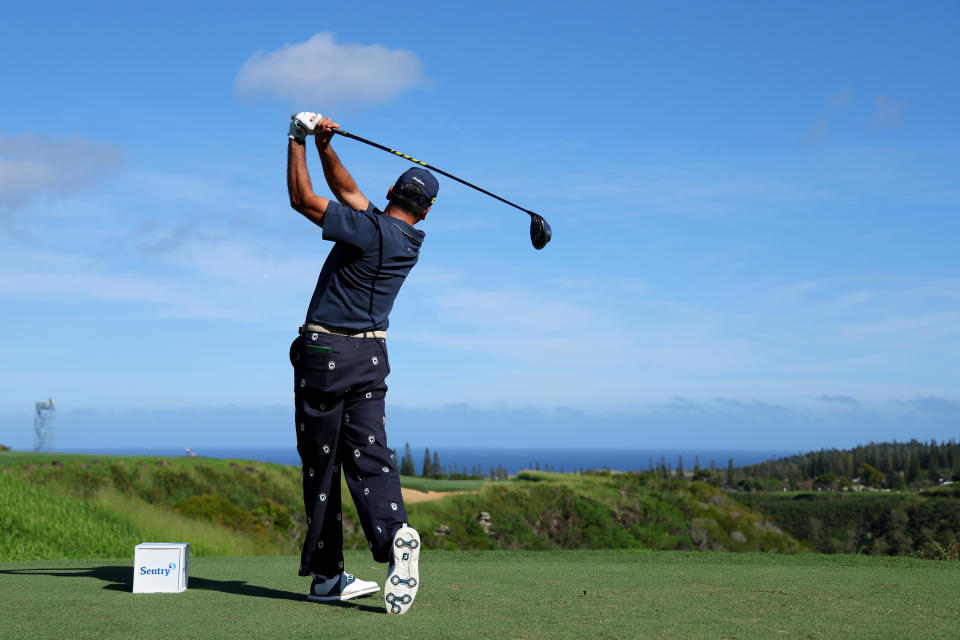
340 365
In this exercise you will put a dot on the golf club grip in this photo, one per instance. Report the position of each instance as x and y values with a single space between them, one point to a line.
347 134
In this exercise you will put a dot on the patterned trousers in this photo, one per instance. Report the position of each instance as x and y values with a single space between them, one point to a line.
339 388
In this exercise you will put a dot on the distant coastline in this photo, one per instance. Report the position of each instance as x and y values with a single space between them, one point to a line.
513 460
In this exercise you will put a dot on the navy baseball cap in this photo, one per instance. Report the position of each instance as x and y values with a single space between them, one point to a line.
418 186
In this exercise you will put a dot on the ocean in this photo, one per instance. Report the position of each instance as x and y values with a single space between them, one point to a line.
513 460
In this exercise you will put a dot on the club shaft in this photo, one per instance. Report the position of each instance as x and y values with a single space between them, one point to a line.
431 167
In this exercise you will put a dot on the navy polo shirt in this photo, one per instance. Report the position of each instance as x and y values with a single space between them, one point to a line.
364 271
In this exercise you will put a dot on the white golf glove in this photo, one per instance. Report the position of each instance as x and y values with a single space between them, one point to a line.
302 125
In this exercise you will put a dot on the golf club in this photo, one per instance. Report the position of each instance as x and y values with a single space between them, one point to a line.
540 232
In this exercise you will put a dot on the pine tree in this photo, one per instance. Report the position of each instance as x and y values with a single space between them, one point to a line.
913 468
680 473
731 474
407 467
427 465
435 468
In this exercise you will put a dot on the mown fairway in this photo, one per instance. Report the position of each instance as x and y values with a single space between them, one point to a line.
502 594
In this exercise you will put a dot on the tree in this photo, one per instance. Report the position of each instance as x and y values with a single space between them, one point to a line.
406 463
680 473
427 465
826 480
913 468
731 475
436 471
705 475
872 477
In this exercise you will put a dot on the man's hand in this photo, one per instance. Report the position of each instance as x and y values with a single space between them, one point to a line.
303 124
338 179
324 131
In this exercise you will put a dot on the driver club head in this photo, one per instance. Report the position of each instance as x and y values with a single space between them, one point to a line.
540 232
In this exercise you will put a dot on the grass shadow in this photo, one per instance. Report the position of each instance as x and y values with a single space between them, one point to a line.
120 578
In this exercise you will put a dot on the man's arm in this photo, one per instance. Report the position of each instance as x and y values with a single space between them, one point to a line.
339 180
302 197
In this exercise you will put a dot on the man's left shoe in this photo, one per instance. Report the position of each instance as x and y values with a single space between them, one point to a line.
340 587
403 576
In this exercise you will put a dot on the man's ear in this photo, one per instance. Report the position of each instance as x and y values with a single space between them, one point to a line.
389 191
424 214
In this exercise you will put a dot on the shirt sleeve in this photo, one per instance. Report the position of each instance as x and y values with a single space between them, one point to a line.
356 228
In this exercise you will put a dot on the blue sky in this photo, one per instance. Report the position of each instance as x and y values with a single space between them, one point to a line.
754 209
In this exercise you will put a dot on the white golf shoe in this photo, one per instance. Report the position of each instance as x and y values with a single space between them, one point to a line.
403 576
340 587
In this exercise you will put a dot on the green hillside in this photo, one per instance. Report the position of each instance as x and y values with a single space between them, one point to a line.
918 523
82 506
70 506
541 510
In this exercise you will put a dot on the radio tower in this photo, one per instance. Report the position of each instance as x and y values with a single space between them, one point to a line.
43 428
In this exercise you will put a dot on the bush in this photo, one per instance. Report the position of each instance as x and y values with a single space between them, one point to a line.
871 523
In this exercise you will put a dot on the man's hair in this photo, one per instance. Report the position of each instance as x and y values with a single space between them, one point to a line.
408 198
415 190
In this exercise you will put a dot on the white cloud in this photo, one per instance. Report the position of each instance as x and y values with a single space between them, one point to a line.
836 103
839 399
32 166
230 280
934 404
840 98
888 114
856 298
322 72
923 328
651 189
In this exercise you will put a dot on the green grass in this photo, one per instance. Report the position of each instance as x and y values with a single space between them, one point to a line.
498 594
38 523
157 523
432 484
224 507
8 458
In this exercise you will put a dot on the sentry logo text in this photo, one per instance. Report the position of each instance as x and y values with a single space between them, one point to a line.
158 572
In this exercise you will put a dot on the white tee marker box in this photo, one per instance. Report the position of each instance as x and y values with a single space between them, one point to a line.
160 567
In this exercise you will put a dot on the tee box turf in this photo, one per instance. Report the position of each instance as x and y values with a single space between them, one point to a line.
160 567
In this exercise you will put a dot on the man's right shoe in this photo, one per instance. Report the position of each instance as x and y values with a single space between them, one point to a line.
340 587
403 576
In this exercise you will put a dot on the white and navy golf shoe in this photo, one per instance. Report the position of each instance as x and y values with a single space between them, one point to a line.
403 576
340 587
